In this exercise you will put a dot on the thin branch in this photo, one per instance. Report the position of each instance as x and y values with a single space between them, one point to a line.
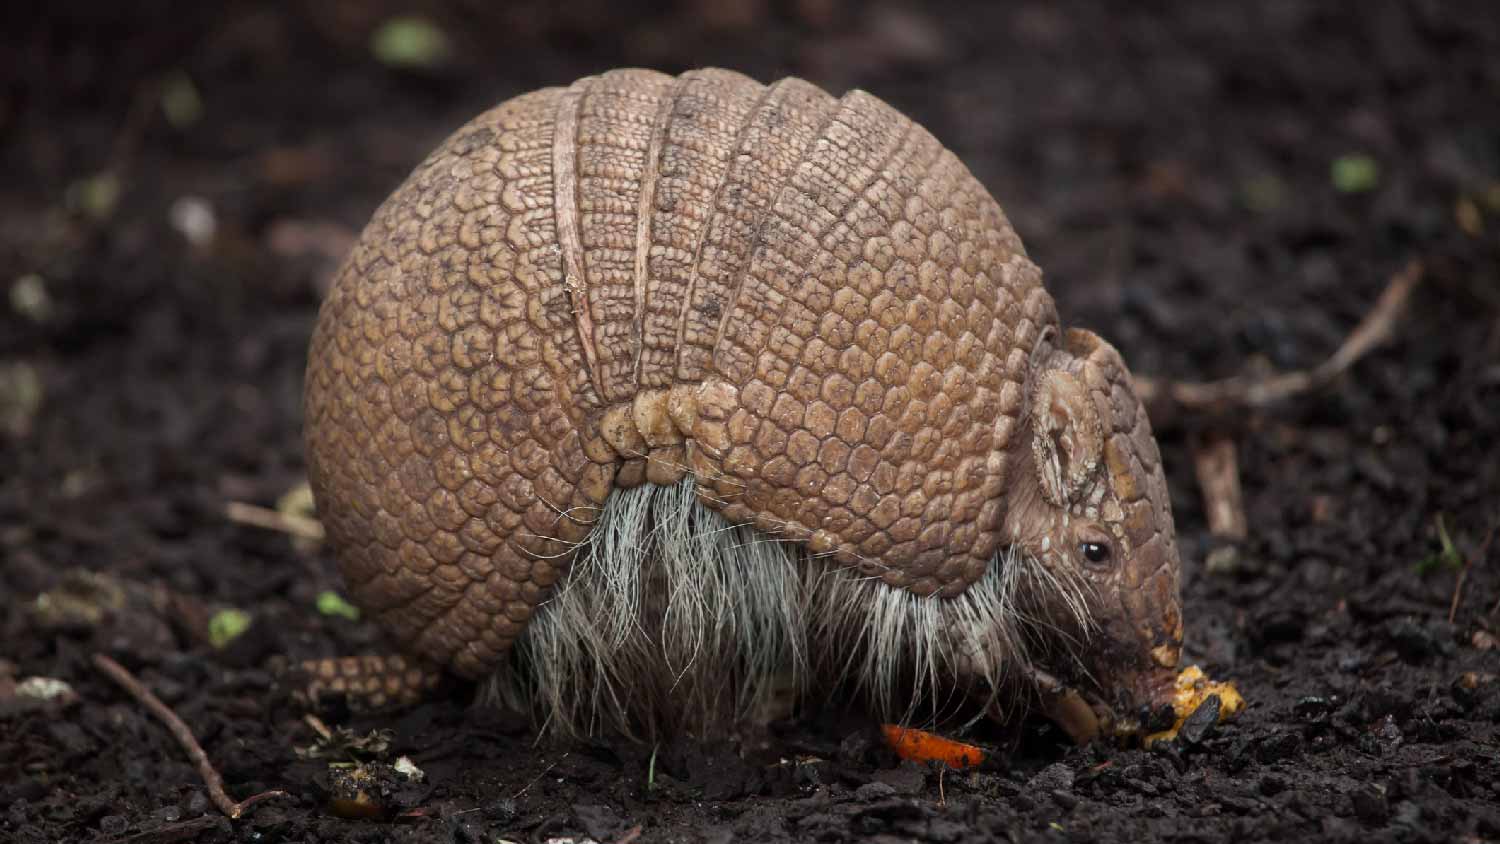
316 725
184 736
1164 399
545 771
1218 469
1458 587
263 517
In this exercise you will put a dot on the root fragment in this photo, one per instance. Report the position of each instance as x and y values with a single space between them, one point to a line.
1218 468
184 736
1170 400
297 526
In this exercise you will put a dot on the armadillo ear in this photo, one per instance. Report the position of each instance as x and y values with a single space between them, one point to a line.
1065 436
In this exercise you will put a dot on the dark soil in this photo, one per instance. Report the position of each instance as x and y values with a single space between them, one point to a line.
1171 169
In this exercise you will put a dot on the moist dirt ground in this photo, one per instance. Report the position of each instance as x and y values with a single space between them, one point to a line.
1219 188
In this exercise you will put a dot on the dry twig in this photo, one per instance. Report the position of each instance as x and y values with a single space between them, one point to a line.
1166 399
184 736
1217 465
316 725
1458 587
264 517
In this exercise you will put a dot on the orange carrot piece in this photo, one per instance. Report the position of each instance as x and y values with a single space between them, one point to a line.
922 746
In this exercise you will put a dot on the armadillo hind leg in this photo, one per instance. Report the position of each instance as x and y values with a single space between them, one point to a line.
671 620
370 682
674 620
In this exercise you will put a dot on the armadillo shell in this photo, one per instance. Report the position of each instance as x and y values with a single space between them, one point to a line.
805 302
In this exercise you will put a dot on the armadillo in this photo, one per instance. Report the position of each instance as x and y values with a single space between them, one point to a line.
649 399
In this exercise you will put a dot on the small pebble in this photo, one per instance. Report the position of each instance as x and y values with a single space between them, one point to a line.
1369 804
1223 560
193 217
1200 725
1054 776
873 791
1311 707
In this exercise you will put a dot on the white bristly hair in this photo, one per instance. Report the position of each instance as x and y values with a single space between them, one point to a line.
673 620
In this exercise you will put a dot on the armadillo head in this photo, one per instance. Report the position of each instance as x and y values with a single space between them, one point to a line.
1094 519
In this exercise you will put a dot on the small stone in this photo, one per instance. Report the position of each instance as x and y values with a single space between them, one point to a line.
906 778
601 822
1223 560
1369 804
29 298
1312 708
168 814
409 769
1416 643
1389 732
1471 680
193 217
1053 777
113 824
872 791
1200 725
1279 747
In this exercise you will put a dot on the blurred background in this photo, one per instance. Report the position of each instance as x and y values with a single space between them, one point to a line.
1146 152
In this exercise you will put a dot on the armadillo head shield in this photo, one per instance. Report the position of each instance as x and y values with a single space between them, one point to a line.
1097 527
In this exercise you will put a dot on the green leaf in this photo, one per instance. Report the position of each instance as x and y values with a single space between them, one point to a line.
29 298
332 603
180 101
1265 192
226 625
1355 173
1446 557
96 195
410 41
21 397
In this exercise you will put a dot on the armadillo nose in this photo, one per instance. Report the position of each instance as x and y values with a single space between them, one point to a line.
1157 687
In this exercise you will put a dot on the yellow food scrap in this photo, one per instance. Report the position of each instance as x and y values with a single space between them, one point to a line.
1194 687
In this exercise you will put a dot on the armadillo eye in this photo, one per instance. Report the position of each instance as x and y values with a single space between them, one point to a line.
1095 552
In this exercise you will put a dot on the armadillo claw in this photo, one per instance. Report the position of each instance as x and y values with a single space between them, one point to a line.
1073 715
366 683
